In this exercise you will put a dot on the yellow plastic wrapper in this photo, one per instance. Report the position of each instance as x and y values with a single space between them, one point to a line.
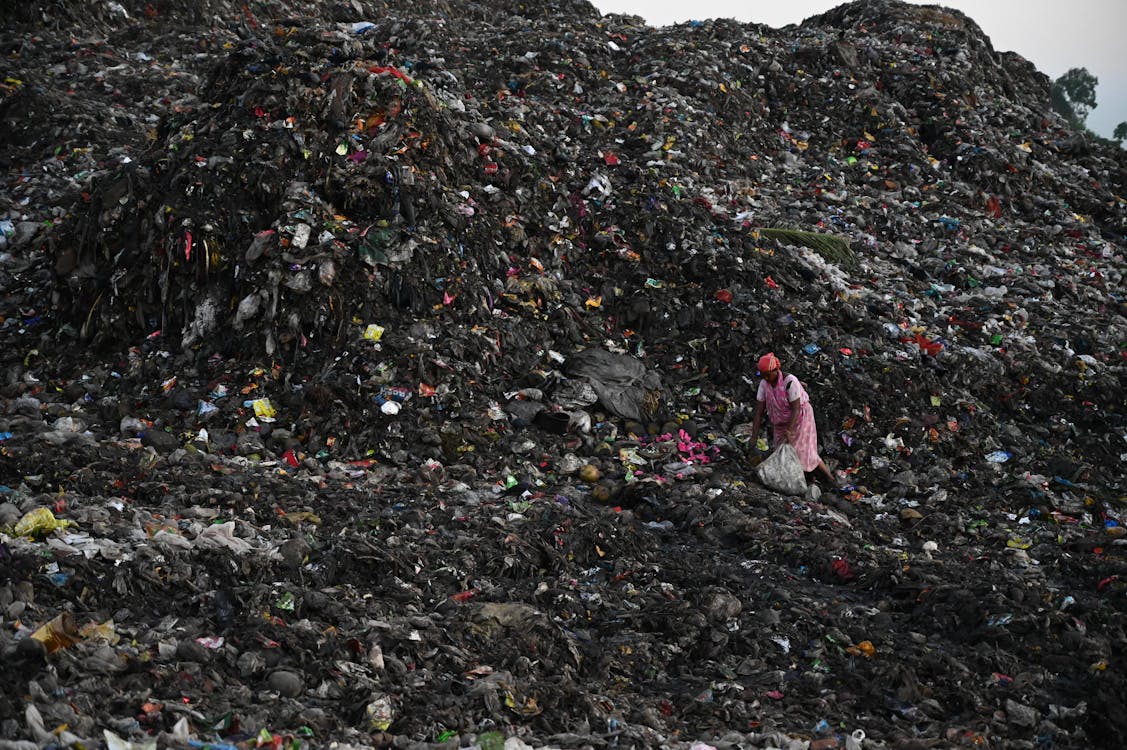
39 522
373 332
263 409
105 632
59 633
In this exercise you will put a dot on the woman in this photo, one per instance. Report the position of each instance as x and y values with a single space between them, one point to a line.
792 417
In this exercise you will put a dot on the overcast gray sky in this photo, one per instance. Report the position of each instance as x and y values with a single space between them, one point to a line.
1053 35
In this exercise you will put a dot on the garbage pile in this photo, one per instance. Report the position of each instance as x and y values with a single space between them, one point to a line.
380 374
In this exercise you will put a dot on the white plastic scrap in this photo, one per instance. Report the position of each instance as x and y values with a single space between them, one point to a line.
222 536
113 742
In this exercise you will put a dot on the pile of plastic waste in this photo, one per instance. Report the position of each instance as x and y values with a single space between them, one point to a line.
382 374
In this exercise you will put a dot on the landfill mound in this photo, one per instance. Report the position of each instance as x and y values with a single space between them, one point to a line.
380 374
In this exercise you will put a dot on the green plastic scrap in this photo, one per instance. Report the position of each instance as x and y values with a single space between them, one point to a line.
491 741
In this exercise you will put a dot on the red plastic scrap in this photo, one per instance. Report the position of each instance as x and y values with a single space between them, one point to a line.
968 324
931 347
386 69
842 569
994 207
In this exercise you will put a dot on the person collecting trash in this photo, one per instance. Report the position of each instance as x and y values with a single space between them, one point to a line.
792 418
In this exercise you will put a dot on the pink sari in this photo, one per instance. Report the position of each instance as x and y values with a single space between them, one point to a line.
779 412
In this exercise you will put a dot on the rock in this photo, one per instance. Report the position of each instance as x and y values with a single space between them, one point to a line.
1020 715
286 683
190 650
159 440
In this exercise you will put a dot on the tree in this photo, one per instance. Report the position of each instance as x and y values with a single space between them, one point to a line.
1074 95
1120 132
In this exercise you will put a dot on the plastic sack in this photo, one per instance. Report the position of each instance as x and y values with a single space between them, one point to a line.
782 471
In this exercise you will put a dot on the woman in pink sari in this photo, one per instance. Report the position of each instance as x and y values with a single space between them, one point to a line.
792 418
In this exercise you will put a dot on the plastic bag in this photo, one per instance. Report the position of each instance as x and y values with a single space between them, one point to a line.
222 535
40 521
782 471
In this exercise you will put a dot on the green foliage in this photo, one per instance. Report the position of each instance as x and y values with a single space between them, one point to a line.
830 246
1080 85
1074 96
1120 131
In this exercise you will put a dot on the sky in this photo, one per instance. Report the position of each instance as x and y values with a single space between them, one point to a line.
1055 36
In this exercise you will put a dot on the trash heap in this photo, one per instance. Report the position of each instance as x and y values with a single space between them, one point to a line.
380 374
